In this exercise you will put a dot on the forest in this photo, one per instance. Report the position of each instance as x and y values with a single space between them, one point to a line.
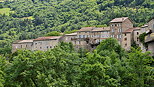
108 65
28 19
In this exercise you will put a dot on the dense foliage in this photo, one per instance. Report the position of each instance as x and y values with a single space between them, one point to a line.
107 66
32 18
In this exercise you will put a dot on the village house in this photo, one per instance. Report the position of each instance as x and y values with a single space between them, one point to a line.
22 44
69 37
45 43
149 39
89 37
131 36
118 26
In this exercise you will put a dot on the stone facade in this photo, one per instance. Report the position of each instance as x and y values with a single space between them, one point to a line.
127 39
151 25
41 43
118 26
22 44
89 37
45 43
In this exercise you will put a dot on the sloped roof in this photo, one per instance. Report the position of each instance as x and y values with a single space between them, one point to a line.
72 34
26 41
122 19
86 29
22 41
131 30
47 38
137 28
102 29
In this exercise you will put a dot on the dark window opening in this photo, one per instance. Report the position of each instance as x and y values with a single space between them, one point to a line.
125 39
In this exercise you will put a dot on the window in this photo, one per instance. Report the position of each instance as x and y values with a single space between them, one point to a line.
125 39
112 30
21 46
26 45
47 47
50 46
79 42
83 36
137 33
137 39
35 43
40 47
125 34
119 36
125 45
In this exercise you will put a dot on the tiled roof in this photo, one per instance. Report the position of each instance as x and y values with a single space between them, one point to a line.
101 29
47 38
26 41
86 29
72 34
23 41
137 28
119 19
131 30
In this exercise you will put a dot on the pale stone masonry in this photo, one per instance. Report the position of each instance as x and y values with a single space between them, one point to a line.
89 37
149 39
22 44
118 26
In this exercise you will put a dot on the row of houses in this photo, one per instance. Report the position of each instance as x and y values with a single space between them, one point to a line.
89 37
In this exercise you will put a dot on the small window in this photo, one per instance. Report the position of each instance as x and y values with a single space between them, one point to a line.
35 43
47 47
125 34
137 39
125 45
21 46
40 47
50 46
137 33
26 45
125 39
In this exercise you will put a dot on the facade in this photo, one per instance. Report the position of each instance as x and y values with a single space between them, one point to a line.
41 43
149 40
45 43
89 37
136 35
127 39
69 37
118 26
22 44
151 25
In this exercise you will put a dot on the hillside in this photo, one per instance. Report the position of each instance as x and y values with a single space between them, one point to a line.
33 18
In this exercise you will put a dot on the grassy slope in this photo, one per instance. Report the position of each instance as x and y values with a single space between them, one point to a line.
6 11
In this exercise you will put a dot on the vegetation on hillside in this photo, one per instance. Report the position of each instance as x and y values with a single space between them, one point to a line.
34 18
107 66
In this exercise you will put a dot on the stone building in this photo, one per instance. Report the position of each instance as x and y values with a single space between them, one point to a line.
22 44
45 43
119 25
89 37
69 37
130 36
149 39
127 39
151 25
